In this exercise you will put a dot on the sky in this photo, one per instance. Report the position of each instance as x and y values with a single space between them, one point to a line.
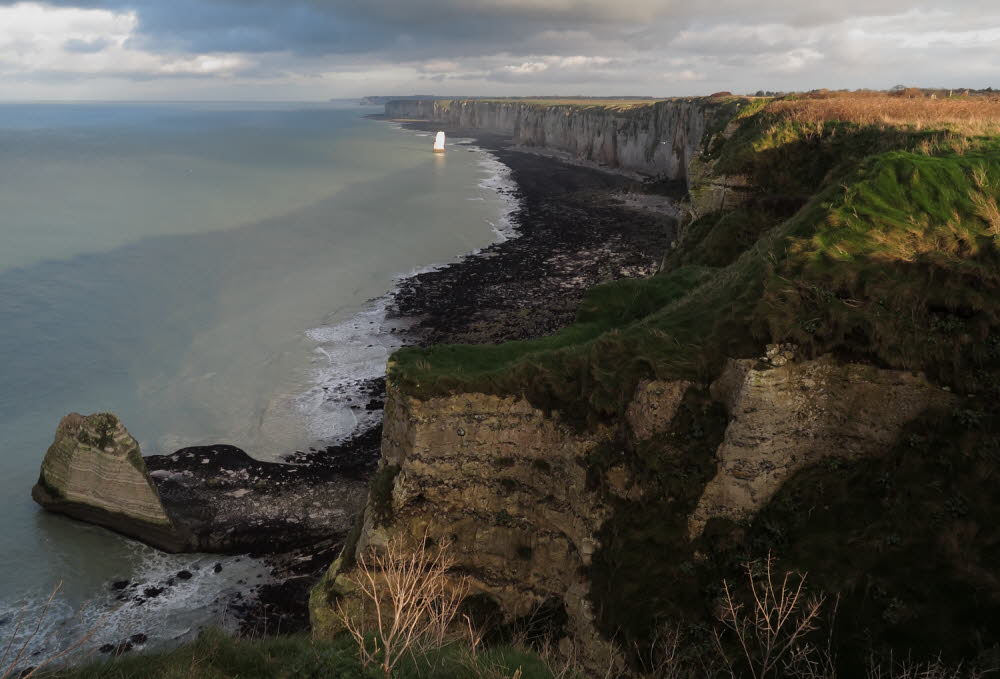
322 49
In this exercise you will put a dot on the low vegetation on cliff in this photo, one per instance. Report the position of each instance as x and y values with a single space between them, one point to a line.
867 229
856 238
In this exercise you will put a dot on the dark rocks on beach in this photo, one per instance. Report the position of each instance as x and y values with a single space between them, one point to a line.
282 607
574 233
226 501
184 575
120 584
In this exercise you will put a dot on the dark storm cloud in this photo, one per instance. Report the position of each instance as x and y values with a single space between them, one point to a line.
296 48
451 27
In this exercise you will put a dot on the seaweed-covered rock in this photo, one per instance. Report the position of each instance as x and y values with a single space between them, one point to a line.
93 471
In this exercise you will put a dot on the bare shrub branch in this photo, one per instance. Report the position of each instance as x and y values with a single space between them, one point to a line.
771 632
409 602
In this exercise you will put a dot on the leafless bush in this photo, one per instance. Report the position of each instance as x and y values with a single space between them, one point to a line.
663 657
771 632
408 602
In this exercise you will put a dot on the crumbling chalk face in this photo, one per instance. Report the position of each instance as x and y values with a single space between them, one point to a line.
785 416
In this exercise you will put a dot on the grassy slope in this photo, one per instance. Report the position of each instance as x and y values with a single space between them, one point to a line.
215 655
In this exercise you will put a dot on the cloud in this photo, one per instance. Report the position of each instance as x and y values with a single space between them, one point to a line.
66 42
321 48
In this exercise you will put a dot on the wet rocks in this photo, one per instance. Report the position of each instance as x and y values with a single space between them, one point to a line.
229 502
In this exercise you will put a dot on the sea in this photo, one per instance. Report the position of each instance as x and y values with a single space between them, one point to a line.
211 273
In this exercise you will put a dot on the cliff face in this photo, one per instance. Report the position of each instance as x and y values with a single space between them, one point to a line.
660 139
791 416
509 487
526 500
505 484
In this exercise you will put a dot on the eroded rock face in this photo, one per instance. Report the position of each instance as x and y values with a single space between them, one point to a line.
505 484
785 418
508 486
93 471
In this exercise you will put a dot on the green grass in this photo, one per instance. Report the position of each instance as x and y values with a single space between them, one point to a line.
605 311
903 268
892 258
215 655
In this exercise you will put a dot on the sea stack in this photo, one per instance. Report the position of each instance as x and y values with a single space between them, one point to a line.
439 143
94 472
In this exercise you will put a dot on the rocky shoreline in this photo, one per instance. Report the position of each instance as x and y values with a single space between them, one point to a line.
574 230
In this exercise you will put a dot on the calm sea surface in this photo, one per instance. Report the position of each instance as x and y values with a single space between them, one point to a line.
206 272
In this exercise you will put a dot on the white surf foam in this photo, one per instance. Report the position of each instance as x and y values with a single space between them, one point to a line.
350 354
347 356
176 614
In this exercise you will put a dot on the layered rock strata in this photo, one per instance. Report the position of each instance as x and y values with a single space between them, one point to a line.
788 417
508 486
93 471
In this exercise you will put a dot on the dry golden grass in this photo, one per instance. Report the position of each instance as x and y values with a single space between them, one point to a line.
966 115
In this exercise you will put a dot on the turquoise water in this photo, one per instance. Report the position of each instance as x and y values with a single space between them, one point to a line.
203 271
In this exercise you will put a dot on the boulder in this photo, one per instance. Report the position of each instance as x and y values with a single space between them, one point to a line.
94 472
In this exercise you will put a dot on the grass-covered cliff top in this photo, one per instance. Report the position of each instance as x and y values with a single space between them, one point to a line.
623 104
871 231
610 106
